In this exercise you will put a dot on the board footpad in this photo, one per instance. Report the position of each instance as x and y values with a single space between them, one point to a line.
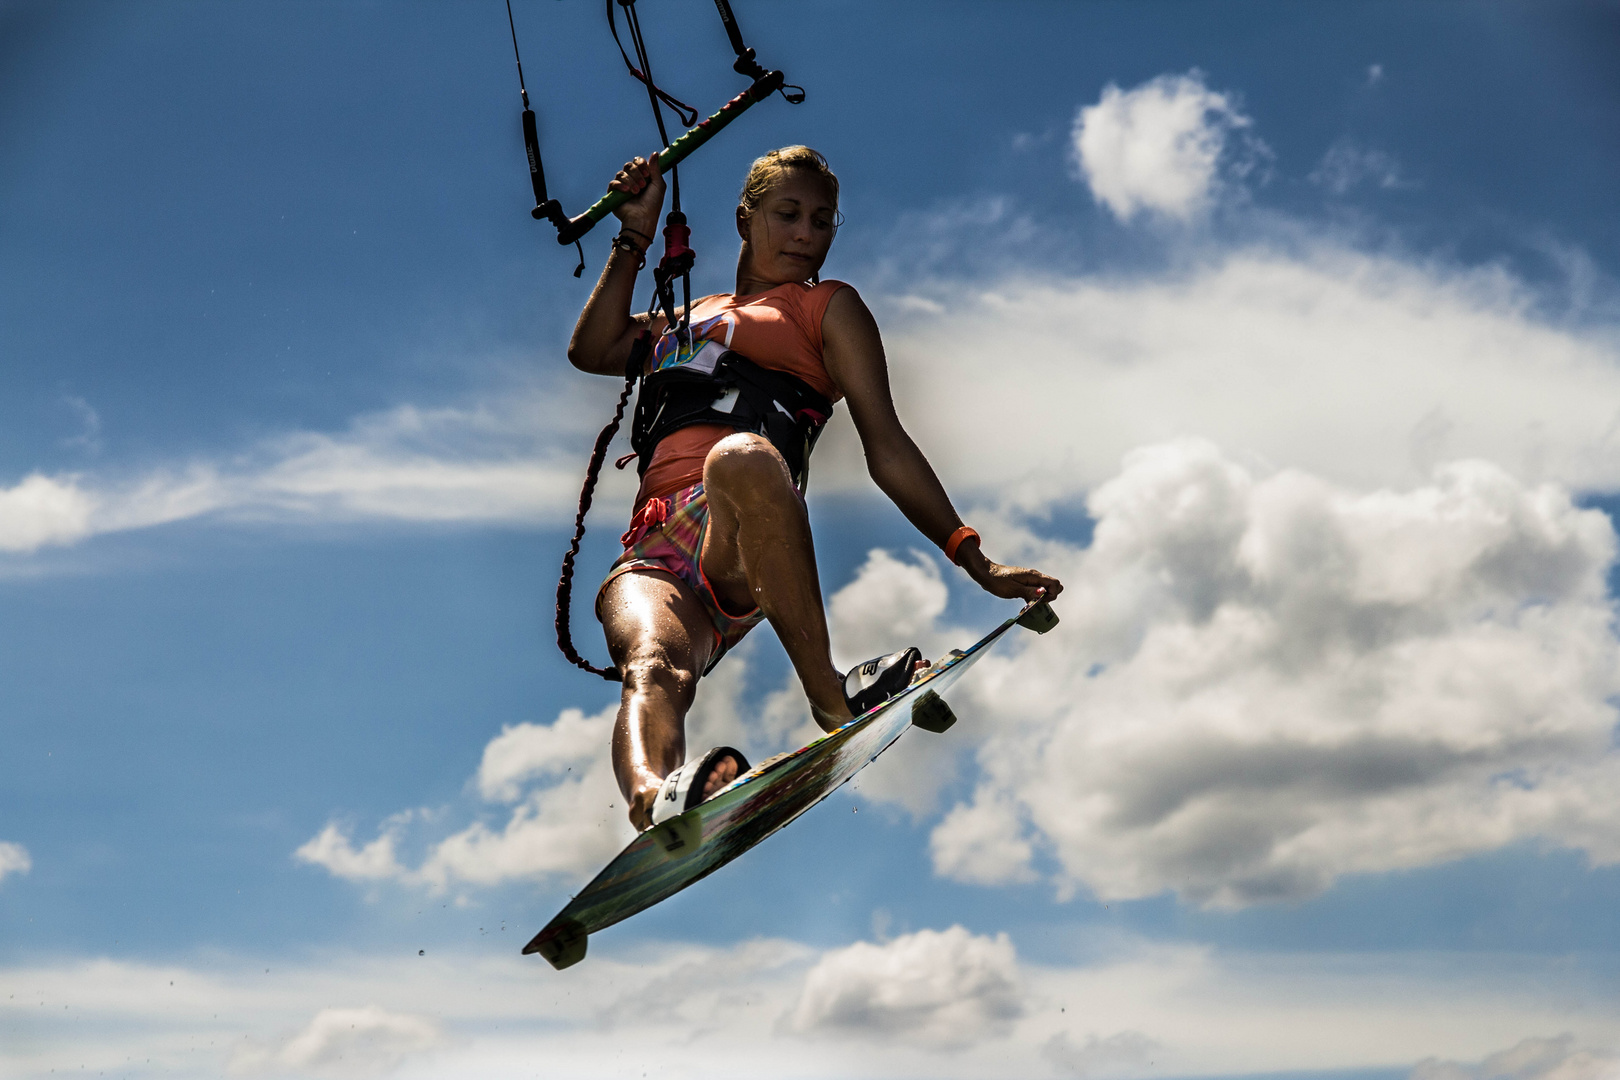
679 836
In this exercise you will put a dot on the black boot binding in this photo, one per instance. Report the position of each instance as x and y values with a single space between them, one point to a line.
870 684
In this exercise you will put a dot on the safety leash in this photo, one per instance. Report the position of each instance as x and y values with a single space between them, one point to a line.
678 258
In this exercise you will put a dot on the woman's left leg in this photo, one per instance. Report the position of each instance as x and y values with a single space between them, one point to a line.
757 551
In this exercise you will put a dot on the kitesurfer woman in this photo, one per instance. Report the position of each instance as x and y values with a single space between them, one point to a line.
720 539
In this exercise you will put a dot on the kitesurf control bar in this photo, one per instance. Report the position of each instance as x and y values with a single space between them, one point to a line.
569 231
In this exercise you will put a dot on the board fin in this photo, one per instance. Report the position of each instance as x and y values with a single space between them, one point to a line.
930 713
1039 618
562 944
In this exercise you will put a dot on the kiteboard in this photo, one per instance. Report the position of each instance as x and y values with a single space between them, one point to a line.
668 857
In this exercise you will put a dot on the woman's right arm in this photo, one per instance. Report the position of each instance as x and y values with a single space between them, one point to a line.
606 328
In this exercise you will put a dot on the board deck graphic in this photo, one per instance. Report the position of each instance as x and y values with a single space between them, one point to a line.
667 858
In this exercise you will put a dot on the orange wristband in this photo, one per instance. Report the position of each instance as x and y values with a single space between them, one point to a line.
955 542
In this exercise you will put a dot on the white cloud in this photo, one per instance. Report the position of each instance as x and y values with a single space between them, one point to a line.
1363 369
1264 682
568 820
570 828
366 1041
518 459
412 464
1156 147
1529 1059
529 751
982 844
892 603
14 859
331 848
940 989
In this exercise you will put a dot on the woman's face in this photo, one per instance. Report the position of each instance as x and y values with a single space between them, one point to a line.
788 235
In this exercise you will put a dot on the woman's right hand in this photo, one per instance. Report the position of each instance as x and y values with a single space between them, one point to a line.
645 184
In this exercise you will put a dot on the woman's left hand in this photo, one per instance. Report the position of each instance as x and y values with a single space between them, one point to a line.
1011 582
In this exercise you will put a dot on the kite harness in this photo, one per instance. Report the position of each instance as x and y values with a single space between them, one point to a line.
731 390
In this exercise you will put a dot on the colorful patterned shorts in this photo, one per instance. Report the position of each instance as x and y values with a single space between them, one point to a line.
666 535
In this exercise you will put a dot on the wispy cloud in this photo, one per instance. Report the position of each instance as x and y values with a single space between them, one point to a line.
1347 164
14 859
519 458
88 437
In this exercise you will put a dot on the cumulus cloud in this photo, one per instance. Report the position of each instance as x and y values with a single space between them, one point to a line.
1362 369
1157 147
565 816
1263 682
344 1042
376 861
1530 1059
942 989
525 752
982 844
14 859
516 460
891 603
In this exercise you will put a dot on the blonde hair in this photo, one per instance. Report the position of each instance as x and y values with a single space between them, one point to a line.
767 170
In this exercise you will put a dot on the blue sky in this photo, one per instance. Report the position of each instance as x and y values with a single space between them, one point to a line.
1285 333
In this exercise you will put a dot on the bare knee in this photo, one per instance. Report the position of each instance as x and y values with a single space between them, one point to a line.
745 464
650 671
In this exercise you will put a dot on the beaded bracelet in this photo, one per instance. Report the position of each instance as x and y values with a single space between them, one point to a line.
621 243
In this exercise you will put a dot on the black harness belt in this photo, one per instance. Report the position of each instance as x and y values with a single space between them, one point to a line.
718 386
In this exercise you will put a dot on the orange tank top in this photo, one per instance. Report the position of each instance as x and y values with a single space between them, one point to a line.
779 329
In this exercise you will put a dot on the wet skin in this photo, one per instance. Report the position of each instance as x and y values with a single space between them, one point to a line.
757 549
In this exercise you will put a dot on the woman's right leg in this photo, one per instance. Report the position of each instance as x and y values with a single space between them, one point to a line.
661 639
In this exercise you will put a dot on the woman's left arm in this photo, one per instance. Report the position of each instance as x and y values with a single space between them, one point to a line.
853 351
